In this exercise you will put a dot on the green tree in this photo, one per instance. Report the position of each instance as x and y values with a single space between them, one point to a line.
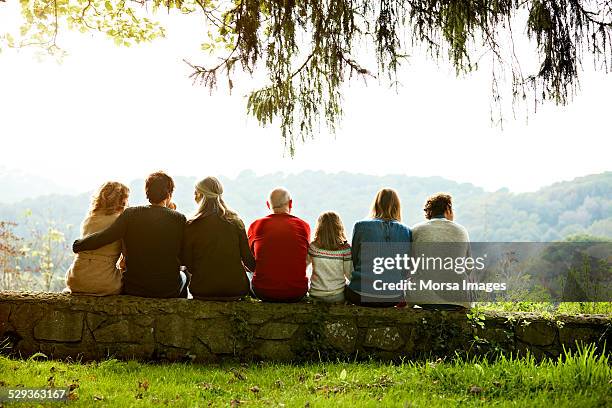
309 49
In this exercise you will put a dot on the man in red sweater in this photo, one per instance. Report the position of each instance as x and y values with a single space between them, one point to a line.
280 245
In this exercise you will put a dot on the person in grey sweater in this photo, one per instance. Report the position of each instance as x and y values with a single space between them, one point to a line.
440 237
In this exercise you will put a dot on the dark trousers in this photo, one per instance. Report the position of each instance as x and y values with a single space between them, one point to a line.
360 300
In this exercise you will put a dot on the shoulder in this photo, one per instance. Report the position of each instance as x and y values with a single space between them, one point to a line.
180 217
366 223
403 228
238 223
420 225
460 228
301 221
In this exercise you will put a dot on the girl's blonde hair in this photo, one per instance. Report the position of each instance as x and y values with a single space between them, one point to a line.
110 198
386 205
211 191
329 232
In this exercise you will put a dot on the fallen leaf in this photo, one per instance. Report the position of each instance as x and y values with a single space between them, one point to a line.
235 403
474 389
206 386
73 396
238 374
279 384
143 384
98 398
255 389
343 374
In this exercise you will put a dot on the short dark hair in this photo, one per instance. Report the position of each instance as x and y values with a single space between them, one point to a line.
437 205
158 187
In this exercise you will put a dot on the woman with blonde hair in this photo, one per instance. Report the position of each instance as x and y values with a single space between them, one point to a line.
96 272
382 235
330 256
216 250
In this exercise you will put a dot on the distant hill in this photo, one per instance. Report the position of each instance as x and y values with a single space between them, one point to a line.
18 185
580 206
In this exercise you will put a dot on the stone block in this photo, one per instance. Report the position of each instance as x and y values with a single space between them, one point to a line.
570 335
342 334
59 325
94 320
24 317
217 334
538 333
5 312
277 331
123 331
173 330
384 338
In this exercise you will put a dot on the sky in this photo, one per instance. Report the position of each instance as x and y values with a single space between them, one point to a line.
119 113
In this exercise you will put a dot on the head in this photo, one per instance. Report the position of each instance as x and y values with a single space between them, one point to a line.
329 232
159 188
386 205
279 201
111 198
209 196
439 205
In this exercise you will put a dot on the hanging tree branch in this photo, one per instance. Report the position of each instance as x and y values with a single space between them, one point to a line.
308 49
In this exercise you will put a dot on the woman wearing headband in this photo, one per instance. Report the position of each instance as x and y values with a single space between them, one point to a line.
216 250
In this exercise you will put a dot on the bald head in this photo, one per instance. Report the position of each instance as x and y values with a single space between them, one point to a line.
279 201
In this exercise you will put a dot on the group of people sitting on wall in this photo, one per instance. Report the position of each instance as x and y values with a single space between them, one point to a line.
155 251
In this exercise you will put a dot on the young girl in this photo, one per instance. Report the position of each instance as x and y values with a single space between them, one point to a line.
95 272
330 255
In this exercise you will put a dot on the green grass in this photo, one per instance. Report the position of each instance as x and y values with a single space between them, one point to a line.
568 308
581 379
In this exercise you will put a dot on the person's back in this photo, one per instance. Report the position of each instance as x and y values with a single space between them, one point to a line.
375 231
95 272
153 237
216 250
439 230
382 234
280 243
153 242
440 237
213 253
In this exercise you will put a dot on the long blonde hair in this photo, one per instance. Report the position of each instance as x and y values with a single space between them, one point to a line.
110 198
211 191
386 205
329 232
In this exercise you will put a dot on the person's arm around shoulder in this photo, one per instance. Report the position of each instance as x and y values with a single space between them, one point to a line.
114 232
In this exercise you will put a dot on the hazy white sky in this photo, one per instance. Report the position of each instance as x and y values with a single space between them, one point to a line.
117 113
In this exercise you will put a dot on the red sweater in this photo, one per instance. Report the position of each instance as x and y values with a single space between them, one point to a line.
280 245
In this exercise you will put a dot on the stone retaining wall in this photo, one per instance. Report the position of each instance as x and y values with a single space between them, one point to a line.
125 327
